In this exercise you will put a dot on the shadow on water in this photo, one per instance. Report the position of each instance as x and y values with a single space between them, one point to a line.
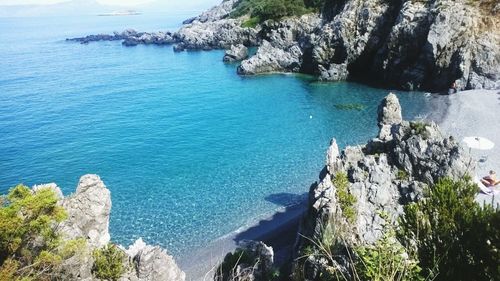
280 230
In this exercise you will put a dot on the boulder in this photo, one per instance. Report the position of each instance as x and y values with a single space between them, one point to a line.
270 59
252 260
236 53
153 263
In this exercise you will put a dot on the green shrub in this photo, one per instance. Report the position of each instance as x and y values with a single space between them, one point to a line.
346 200
251 22
455 238
402 175
30 248
263 10
108 263
386 260
419 128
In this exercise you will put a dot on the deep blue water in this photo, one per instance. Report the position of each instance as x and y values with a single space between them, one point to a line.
189 150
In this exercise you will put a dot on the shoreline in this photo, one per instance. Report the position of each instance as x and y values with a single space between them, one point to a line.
474 113
278 231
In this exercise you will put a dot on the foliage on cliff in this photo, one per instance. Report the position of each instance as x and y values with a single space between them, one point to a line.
261 10
30 248
109 263
455 238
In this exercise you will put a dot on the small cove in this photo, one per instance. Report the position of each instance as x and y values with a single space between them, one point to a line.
190 151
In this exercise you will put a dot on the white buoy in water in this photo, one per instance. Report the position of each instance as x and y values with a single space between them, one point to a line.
310 117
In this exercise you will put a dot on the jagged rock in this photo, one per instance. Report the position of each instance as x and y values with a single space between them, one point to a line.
153 263
389 111
254 260
51 186
88 218
218 12
271 59
282 47
336 72
88 212
220 34
383 175
236 53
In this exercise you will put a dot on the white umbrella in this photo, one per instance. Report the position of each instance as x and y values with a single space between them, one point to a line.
479 143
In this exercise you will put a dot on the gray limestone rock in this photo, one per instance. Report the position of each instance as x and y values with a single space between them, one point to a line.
88 212
383 176
153 263
389 111
270 59
236 53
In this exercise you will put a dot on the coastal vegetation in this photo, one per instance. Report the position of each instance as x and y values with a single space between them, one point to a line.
346 200
109 263
454 237
30 247
445 236
262 10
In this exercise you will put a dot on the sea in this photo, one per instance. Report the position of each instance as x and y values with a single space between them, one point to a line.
190 150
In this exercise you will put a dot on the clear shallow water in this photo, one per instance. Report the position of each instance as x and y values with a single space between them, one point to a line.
189 150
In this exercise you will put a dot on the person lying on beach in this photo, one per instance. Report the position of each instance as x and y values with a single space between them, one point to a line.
490 180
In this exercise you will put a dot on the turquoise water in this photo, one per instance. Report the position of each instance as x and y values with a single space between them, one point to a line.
189 150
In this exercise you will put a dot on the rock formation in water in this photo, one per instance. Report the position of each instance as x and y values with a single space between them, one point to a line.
236 53
427 45
382 176
88 218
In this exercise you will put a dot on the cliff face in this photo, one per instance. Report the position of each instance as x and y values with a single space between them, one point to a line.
404 44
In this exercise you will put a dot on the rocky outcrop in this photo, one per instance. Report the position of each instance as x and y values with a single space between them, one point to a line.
282 47
271 59
153 263
425 45
130 37
215 13
220 34
235 53
388 172
88 212
88 218
252 260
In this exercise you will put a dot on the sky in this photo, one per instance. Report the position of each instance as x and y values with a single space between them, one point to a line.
108 2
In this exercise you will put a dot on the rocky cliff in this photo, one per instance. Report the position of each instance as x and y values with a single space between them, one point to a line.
382 176
363 189
88 212
405 44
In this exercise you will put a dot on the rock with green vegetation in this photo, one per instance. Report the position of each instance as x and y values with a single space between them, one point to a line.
219 34
109 262
362 193
452 235
250 261
44 236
